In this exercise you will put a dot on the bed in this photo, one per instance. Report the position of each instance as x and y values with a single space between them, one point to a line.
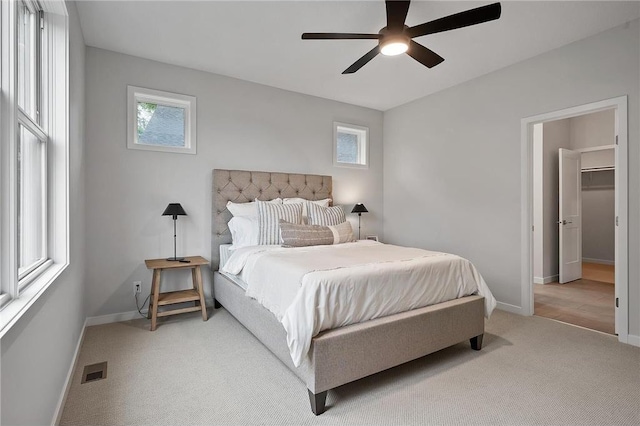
341 355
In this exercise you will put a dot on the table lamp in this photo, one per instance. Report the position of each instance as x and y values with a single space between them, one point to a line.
175 210
359 208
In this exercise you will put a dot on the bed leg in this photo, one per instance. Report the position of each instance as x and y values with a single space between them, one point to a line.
216 304
476 342
318 401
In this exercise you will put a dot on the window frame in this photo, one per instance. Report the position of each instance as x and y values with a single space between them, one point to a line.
362 134
34 125
188 103
19 293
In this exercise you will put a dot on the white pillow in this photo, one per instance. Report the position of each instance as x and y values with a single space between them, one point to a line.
244 232
322 203
269 220
247 209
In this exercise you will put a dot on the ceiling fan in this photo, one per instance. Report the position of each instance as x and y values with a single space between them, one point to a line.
396 37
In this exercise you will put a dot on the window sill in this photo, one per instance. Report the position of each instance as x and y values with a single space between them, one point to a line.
16 308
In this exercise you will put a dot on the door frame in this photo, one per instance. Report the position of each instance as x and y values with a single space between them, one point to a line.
619 104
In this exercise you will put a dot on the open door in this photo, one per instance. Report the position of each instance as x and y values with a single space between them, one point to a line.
570 212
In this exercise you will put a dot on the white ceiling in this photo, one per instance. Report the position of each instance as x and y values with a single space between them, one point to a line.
260 41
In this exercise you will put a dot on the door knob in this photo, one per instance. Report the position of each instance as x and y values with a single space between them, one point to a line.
564 222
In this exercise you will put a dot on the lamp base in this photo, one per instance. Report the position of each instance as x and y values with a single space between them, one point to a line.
175 259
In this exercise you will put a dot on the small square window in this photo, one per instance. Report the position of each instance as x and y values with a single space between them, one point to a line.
161 121
350 145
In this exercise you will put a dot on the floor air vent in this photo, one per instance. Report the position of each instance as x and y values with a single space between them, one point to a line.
94 372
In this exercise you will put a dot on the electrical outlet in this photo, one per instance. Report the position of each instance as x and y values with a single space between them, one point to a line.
137 287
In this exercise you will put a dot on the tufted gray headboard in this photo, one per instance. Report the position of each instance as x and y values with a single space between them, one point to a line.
242 186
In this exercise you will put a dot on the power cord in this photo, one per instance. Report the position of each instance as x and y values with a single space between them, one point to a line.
140 307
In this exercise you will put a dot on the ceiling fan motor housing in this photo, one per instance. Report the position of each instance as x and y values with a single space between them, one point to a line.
393 42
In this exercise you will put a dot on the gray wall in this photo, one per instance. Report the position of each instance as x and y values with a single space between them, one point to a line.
240 125
598 194
556 135
456 156
591 130
598 217
38 351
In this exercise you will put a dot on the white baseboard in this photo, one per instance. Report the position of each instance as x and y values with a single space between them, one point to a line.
509 308
111 318
67 383
545 280
598 261
126 316
633 340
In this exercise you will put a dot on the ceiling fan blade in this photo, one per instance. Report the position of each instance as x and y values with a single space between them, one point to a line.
339 36
426 57
458 20
396 14
362 61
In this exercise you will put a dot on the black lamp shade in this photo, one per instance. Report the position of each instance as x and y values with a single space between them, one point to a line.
174 209
359 208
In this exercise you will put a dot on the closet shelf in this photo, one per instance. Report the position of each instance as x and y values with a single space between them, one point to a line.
592 187
598 169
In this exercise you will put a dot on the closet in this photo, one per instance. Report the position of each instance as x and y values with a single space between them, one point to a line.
598 204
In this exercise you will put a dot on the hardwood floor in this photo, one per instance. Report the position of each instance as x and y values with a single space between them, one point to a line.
586 302
597 272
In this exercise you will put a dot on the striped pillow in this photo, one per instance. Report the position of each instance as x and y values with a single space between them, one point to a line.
325 216
268 216
293 235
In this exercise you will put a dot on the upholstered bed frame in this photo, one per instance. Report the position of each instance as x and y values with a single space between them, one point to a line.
345 354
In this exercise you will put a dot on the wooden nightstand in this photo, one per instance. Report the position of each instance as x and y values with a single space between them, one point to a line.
195 295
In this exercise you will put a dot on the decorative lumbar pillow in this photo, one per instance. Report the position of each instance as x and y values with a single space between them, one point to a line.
323 203
293 235
342 233
247 209
325 216
269 215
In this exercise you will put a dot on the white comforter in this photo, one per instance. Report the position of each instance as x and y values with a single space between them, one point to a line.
311 289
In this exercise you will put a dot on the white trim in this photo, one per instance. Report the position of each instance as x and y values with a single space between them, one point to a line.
55 112
126 316
507 307
111 318
622 194
13 311
186 102
361 132
57 415
8 153
545 280
54 6
33 272
598 261
633 340
595 148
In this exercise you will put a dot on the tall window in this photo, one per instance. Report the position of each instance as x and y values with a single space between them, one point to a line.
34 151
31 140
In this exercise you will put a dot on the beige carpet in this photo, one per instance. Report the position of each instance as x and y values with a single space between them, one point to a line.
530 371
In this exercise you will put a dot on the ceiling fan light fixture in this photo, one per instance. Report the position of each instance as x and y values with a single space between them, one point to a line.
394 48
393 43
397 37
